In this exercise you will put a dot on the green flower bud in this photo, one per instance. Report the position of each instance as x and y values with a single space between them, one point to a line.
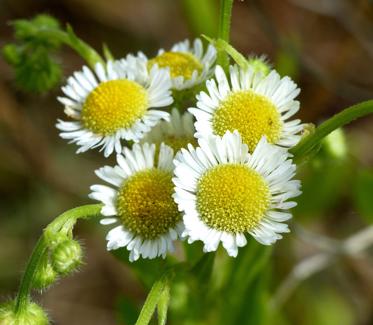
28 30
11 54
37 72
32 314
54 239
44 276
259 64
67 257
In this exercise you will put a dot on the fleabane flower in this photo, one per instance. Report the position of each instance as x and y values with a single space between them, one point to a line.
177 133
227 192
251 102
141 202
188 65
113 103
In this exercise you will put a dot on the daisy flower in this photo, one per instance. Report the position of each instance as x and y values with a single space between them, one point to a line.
113 103
176 133
226 192
141 202
188 65
251 102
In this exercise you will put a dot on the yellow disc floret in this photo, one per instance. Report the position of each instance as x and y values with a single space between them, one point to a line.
114 105
232 198
145 204
180 63
253 115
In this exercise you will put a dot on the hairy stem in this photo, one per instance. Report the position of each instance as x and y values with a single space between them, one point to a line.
63 222
344 117
224 29
26 283
70 39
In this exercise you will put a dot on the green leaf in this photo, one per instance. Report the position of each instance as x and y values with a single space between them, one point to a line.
363 194
163 304
153 299
308 143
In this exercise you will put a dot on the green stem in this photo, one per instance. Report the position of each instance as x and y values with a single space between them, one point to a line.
64 222
225 19
224 29
346 116
26 283
70 39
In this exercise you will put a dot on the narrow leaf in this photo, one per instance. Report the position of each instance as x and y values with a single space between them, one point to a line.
163 304
152 300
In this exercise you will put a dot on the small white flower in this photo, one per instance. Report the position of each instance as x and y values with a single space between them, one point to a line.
189 66
226 192
251 102
141 202
114 103
176 133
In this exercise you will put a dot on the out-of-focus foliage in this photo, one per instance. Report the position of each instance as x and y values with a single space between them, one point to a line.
34 65
363 193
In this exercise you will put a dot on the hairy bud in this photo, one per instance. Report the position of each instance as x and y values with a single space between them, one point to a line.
67 257
44 276
32 314
259 64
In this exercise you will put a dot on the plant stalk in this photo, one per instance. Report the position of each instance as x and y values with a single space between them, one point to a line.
224 30
346 116
63 222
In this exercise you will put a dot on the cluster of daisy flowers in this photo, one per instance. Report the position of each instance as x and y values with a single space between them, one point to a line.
215 173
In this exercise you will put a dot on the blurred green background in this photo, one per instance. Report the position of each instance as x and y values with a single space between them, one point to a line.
325 45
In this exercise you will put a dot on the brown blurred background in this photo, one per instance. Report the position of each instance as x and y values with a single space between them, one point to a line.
325 45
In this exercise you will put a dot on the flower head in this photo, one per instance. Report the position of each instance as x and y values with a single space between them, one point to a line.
141 202
188 66
251 102
113 104
226 192
176 133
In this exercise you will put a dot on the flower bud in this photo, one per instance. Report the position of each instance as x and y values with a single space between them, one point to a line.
259 64
67 256
32 314
44 276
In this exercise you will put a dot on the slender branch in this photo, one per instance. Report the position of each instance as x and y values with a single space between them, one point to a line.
316 263
346 116
64 222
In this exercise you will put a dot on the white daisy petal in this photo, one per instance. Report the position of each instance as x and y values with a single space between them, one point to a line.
127 82
142 202
235 193
251 102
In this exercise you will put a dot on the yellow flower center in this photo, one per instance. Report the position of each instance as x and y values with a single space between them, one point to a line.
232 198
253 115
114 105
180 63
145 204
